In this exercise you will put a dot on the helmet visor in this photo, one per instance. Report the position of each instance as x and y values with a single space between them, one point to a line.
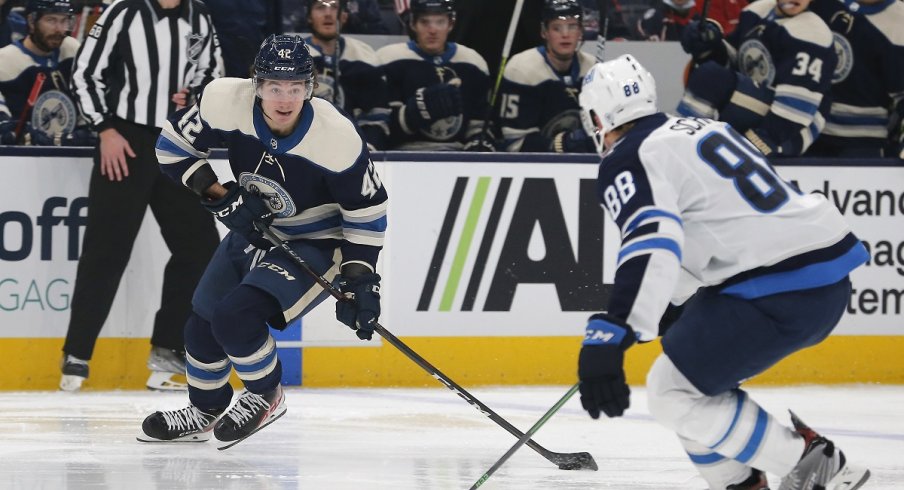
283 90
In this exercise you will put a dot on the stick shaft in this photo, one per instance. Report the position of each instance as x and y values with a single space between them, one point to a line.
583 460
533 430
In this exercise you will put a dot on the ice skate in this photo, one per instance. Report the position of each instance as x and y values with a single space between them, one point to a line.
167 370
189 424
822 466
251 413
75 372
756 481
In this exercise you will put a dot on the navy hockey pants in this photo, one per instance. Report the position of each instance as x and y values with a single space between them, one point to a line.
239 294
722 340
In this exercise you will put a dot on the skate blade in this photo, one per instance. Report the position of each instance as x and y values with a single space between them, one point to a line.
198 437
233 443
849 478
71 383
163 381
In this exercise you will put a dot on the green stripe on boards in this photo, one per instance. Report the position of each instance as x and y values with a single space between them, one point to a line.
464 243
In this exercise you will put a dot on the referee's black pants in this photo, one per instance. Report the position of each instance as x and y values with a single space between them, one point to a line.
115 213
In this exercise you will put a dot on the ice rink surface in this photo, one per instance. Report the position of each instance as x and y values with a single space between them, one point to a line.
404 439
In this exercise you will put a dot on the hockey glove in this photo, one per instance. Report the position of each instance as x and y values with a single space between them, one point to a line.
430 104
601 366
362 310
479 143
239 210
7 130
575 141
78 137
763 142
698 38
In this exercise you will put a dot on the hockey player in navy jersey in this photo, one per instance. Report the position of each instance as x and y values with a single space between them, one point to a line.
538 108
437 89
760 270
348 71
768 79
868 82
302 168
36 106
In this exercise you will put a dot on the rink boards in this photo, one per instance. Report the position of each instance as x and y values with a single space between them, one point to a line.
491 266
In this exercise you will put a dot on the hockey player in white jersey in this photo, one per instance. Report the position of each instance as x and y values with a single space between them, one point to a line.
760 270
301 166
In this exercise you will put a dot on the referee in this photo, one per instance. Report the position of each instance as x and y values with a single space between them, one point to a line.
138 65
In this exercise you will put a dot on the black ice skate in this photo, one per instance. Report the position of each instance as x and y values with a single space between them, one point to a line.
75 372
251 413
189 424
756 481
822 466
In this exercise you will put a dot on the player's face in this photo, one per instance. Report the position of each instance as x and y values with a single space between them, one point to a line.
282 101
325 19
431 32
50 30
790 8
563 37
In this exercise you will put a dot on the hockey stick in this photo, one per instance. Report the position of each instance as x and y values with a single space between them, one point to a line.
506 49
565 461
29 103
602 30
533 430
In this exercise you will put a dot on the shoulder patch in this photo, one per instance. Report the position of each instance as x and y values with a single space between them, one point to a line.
808 27
464 54
332 142
396 52
356 50
227 103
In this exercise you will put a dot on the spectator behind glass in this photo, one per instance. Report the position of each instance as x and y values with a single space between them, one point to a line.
41 64
868 83
538 109
242 25
126 178
768 79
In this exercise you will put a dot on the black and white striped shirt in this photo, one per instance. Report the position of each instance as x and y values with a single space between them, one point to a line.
138 55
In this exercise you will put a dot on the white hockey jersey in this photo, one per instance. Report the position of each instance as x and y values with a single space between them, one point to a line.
699 206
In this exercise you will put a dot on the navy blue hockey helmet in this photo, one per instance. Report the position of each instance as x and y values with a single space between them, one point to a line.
41 7
561 9
284 57
421 7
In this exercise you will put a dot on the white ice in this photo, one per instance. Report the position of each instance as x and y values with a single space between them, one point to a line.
404 439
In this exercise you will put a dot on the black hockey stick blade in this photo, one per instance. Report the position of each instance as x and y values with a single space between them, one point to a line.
565 461
527 435
229 444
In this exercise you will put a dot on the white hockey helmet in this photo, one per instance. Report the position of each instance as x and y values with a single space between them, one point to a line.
614 93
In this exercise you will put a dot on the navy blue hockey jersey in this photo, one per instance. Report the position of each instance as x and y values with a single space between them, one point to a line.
408 68
536 102
792 56
361 91
54 110
869 78
319 181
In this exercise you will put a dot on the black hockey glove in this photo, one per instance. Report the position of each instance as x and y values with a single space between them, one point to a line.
698 38
480 143
361 314
430 104
601 366
763 142
7 130
78 137
575 141
239 210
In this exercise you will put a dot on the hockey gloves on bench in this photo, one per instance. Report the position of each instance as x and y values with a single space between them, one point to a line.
430 104
360 315
575 141
699 38
239 209
601 366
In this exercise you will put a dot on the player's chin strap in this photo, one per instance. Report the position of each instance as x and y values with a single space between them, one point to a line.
569 461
